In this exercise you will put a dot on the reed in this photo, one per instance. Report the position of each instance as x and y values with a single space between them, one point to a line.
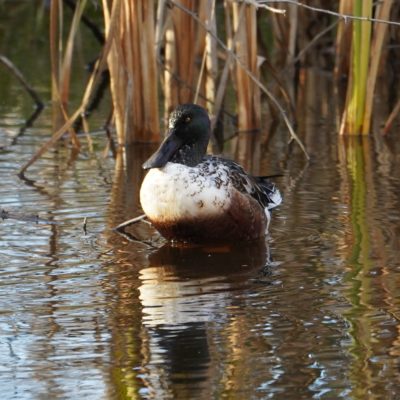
382 12
133 71
353 115
61 63
161 53
97 71
187 58
248 93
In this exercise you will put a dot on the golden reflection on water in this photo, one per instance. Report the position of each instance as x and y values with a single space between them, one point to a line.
366 259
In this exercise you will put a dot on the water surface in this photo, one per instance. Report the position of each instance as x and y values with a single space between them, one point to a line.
312 312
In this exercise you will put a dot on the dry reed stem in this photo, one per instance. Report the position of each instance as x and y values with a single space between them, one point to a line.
55 18
272 98
231 40
343 41
248 93
211 60
60 68
382 12
170 83
65 71
133 72
209 65
86 97
190 55
391 118
150 75
293 35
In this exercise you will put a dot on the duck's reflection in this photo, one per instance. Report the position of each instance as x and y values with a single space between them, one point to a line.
187 295
183 285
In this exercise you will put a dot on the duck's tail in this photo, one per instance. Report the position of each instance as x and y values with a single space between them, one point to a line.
271 191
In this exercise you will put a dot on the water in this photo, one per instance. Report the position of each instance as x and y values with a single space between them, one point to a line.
311 313
314 312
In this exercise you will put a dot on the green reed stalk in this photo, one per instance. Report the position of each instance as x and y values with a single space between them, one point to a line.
355 102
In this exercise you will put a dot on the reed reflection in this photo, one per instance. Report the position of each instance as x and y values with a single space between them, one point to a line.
371 297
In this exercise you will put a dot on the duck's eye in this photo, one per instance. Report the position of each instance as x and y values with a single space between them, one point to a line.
188 119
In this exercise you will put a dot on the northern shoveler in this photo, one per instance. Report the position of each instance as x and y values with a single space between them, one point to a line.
194 197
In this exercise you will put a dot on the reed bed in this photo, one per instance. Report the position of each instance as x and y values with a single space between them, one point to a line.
244 61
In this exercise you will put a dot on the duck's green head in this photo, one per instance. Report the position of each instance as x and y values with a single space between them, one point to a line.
187 138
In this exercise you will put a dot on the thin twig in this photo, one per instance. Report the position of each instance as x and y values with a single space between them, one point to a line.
5 214
250 74
132 221
329 12
88 22
314 41
271 9
28 123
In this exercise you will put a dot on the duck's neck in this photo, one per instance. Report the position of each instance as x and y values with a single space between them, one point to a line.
190 154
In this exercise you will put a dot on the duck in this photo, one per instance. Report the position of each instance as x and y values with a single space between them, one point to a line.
190 196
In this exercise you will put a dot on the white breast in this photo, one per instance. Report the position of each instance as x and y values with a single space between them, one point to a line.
177 191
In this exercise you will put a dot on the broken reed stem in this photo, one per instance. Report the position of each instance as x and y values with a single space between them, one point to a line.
17 73
391 118
251 75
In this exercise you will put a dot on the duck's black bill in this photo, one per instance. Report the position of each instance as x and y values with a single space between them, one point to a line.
164 153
